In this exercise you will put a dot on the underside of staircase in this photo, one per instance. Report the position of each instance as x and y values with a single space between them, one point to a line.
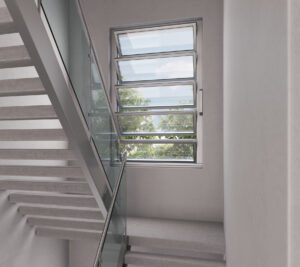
39 171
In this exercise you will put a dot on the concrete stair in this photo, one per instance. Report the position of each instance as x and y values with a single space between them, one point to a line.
6 22
65 223
67 187
14 56
68 234
37 168
37 154
21 87
27 113
32 135
86 201
156 260
65 212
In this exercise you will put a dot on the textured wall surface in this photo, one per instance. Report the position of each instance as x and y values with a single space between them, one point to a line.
295 130
256 132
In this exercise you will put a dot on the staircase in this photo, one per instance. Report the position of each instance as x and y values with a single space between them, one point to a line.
43 176
39 171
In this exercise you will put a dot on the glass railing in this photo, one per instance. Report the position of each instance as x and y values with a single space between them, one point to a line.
113 243
67 25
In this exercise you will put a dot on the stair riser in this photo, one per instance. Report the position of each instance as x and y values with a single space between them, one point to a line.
67 224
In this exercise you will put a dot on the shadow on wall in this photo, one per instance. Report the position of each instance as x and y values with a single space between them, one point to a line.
20 247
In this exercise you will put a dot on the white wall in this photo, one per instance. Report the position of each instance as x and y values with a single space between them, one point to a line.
256 132
19 246
185 193
83 253
294 20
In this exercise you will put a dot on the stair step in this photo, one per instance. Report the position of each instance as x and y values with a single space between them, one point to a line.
42 171
203 247
6 22
186 253
65 223
54 199
37 154
202 237
21 87
155 260
27 113
47 186
67 234
14 56
33 135
91 214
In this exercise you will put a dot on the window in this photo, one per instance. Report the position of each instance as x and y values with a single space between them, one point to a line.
155 81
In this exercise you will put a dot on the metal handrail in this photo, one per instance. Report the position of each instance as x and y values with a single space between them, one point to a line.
115 125
109 214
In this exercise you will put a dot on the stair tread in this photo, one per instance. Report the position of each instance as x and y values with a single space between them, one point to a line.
6 22
67 234
66 224
38 154
54 199
46 186
27 112
155 260
42 171
32 135
14 56
207 237
21 87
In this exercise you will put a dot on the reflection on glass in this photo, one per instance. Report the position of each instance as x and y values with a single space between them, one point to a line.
70 36
75 49
156 96
156 40
115 243
157 123
161 152
156 68
104 135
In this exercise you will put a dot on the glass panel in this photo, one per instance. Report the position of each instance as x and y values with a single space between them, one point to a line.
160 152
156 40
157 123
74 47
72 41
115 243
156 96
101 125
156 68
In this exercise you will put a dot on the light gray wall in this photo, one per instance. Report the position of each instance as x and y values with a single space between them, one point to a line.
256 132
294 58
19 246
185 193
83 253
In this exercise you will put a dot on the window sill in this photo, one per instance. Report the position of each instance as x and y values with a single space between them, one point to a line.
163 165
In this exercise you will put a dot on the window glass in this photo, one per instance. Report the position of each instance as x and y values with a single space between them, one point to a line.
160 152
156 68
156 40
157 123
156 96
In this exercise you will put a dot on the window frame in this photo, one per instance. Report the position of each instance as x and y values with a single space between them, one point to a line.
196 81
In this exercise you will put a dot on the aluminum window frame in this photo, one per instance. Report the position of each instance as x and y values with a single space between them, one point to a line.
196 81
155 28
